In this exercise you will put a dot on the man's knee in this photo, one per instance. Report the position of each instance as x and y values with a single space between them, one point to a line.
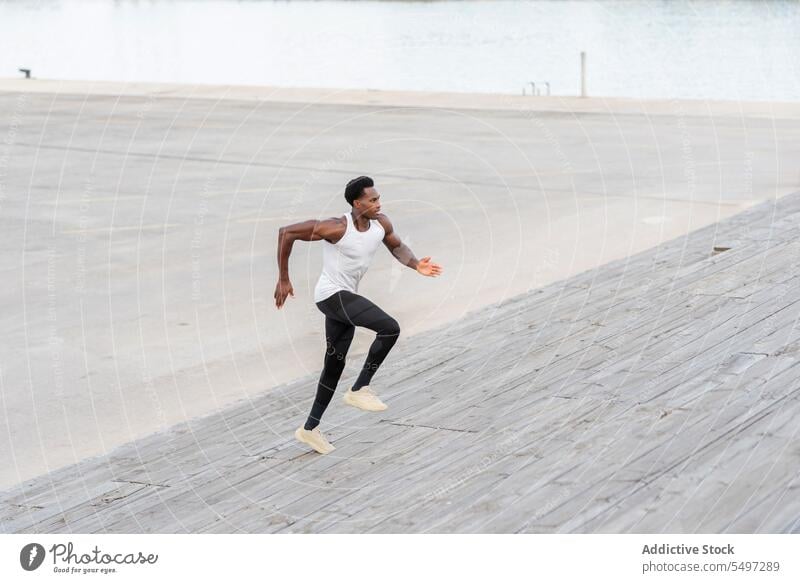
390 328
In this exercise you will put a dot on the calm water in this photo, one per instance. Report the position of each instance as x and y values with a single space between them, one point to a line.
701 49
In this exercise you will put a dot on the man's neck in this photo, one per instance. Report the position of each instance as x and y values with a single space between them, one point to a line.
359 221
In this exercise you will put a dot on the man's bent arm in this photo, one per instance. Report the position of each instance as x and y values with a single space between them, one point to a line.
285 242
312 230
405 256
400 250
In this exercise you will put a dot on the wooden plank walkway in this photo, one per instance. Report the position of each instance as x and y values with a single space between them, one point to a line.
658 393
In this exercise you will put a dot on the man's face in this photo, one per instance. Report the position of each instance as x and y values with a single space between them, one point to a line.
369 203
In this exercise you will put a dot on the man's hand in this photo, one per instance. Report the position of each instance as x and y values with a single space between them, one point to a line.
282 290
426 267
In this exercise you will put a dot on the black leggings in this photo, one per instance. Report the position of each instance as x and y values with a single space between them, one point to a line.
344 311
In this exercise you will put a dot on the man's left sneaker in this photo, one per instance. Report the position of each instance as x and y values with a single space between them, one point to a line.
364 399
314 438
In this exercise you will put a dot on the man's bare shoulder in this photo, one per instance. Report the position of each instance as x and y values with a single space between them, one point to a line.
385 222
335 221
332 229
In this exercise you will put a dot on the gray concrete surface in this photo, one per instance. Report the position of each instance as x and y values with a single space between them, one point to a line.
139 227
657 393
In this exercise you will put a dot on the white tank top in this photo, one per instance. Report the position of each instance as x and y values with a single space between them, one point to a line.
345 262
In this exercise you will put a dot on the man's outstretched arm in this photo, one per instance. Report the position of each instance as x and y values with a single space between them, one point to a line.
312 230
403 253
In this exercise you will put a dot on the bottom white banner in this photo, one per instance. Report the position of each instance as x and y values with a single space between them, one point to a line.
118 558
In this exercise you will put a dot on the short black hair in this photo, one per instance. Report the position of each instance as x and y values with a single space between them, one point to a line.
355 188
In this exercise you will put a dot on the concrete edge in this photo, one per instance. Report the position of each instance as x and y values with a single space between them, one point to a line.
424 99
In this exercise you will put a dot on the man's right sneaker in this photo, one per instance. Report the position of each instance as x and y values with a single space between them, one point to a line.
314 438
364 399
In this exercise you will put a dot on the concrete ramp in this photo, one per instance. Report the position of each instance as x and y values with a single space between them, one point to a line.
659 393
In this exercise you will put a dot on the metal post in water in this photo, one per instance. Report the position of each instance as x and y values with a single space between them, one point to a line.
584 91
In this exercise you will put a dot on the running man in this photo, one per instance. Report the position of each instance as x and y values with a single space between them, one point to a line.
349 244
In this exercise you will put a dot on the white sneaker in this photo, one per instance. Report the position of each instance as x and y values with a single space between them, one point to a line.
315 439
364 399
